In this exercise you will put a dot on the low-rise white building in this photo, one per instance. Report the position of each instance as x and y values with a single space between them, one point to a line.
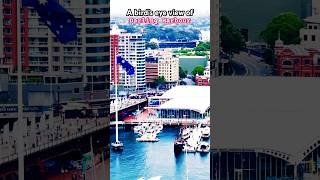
310 34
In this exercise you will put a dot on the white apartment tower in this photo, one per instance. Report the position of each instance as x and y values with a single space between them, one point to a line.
132 48
85 61
168 67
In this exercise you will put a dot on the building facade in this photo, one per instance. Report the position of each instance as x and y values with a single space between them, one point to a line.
315 7
131 46
50 65
303 59
169 68
202 81
310 34
152 69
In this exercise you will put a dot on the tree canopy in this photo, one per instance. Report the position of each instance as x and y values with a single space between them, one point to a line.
287 24
182 73
231 39
198 70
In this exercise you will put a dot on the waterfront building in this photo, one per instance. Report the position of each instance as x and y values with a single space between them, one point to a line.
131 46
265 137
182 102
79 69
202 80
302 59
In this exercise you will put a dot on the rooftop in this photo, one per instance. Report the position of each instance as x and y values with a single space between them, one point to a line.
267 113
196 98
313 19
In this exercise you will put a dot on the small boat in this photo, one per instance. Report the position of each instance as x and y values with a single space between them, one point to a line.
205 133
204 147
189 149
117 145
179 144
148 137
185 134
137 128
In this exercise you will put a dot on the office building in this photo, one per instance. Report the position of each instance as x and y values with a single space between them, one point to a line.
79 69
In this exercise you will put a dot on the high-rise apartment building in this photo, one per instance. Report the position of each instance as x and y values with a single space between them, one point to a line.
131 46
79 69
169 68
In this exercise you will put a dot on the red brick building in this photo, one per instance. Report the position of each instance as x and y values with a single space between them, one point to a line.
202 81
296 60
10 35
152 69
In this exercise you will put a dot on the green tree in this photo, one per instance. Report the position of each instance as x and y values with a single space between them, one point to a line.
182 73
198 70
288 24
159 81
202 46
231 39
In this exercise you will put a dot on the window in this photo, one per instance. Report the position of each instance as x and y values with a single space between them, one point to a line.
96 20
307 61
8 2
305 37
97 10
7 49
97 39
76 90
7 11
315 27
97 49
7 21
97 30
98 59
313 38
7 30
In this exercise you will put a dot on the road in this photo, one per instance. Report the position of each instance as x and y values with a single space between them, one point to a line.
245 65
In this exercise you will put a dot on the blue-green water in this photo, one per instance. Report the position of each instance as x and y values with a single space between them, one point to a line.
189 62
149 160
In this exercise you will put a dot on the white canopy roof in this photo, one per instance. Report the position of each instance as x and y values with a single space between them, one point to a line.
195 98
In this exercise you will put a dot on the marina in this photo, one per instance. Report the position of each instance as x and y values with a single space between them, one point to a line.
146 160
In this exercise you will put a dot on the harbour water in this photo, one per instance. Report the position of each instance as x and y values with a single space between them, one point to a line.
149 160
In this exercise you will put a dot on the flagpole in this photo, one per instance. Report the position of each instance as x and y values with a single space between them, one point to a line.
116 92
19 133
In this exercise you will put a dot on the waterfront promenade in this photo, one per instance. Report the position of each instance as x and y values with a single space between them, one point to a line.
148 116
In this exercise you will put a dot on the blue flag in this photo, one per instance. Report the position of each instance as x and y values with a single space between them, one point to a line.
126 65
61 22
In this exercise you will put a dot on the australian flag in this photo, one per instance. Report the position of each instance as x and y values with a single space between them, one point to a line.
125 65
60 21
